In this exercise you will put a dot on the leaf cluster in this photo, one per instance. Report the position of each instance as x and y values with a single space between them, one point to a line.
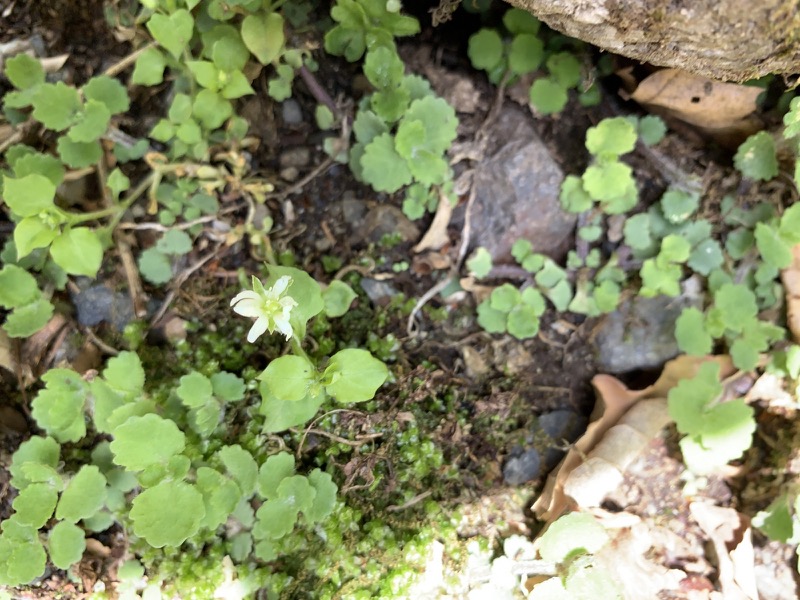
715 431
522 48
83 115
365 24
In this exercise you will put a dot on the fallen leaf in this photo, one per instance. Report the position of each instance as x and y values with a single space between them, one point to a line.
627 558
696 99
7 360
731 535
790 277
614 400
723 111
436 236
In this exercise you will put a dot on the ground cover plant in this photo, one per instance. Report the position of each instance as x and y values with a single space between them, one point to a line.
263 420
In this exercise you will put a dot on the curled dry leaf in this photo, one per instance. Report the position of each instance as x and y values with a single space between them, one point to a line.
790 277
723 110
436 236
731 535
606 461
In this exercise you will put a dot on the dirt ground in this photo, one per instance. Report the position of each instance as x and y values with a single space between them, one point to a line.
496 380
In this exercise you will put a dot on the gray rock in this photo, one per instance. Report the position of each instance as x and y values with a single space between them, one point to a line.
98 304
640 334
522 468
297 157
379 292
516 194
384 219
560 426
291 112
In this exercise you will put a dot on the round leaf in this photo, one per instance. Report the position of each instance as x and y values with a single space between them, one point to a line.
143 441
84 496
66 544
78 251
354 375
167 514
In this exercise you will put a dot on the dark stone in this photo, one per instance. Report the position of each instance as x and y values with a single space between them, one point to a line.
517 194
522 468
640 334
98 304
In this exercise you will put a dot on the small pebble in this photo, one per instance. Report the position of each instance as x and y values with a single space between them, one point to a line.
291 112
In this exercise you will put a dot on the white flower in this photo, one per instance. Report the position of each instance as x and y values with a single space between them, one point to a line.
271 308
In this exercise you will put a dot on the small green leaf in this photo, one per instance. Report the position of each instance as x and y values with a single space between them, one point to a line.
565 69
27 320
338 296
678 205
354 375
485 49
241 466
756 157
324 499
35 504
84 495
167 514
289 378
109 91
526 54
30 195
56 105
480 263
379 153
274 470
505 297
66 544
78 154
17 287
58 408
281 415
383 67
611 137
211 109
573 197
548 96
652 129
155 266
491 319
142 441
175 242
91 124
149 69
24 71
609 181
519 21
173 31
773 248
227 386
36 450
78 251
124 373
691 334
571 534
736 304
523 322
194 390
263 35
706 257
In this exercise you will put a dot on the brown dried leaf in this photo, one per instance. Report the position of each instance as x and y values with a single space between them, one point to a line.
613 401
696 99
790 277
436 236
731 535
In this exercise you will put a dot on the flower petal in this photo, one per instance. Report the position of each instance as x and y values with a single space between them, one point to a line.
281 285
257 330
249 308
282 324
246 295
